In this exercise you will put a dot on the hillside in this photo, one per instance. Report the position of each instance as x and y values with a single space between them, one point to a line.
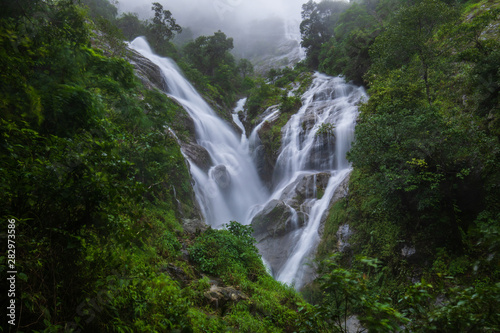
108 182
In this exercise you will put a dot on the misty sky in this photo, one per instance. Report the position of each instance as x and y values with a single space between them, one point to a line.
257 26
218 10
207 16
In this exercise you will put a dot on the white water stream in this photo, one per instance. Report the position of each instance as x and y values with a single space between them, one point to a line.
232 189
239 186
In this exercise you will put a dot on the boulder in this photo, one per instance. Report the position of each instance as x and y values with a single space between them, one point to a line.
275 229
198 155
408 251
192 226
222 296
221 176
275 220
265 164
310 186
277 250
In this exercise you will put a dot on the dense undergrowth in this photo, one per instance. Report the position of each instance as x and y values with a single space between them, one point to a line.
98 188
423 197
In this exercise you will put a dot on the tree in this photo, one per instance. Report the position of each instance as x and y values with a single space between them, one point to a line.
130 25
410 34
354 291
206 53
318 23
347 52
163 26
245 67
101 9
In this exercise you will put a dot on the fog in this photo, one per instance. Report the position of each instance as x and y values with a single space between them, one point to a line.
261 28
208 15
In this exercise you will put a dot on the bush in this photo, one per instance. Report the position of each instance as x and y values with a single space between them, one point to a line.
227 252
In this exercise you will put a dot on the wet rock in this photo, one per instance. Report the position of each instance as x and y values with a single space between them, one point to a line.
149 73
310 186
192 226
308 121
325 95
274 220
277 250
221 176
198 155
342 191
275 229
303 190
321 156
264 164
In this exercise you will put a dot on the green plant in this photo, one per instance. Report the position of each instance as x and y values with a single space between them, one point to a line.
326 129
227 252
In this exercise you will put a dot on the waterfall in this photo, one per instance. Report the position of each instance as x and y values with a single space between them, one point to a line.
314 144
232 186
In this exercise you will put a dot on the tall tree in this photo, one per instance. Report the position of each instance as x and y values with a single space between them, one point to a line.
318 23
130 25
245 67
163 26
410 35
206 53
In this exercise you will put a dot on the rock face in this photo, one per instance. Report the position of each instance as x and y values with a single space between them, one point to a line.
198 155
311 186
265 164
148 73
280 222
275 220
176 273
221 176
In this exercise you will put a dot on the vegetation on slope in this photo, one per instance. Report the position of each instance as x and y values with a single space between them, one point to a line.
98 188
424 194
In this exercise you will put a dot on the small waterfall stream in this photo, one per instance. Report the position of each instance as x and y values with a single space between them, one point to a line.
232 185
314 144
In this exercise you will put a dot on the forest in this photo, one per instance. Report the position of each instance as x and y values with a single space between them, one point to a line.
97 194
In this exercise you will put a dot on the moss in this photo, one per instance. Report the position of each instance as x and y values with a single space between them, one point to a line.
336 216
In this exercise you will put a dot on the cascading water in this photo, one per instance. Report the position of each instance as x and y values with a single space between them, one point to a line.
292 32
232 186
314 142
314 145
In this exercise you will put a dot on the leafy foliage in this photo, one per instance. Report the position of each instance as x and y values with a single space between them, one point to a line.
318 21
227 253
423 178
163 26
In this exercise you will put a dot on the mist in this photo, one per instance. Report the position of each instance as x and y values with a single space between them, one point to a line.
207 15
262 29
